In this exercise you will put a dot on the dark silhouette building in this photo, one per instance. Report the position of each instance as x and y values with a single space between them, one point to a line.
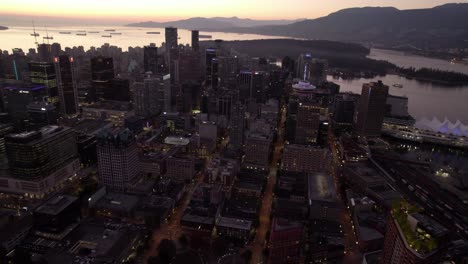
102 71
66 82
118 90
150 58
371 111
210 67
195 40
171 38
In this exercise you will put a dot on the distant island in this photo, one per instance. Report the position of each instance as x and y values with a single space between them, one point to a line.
214 23
3 28
434 76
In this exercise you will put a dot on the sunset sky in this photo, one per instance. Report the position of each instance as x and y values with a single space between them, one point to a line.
163 10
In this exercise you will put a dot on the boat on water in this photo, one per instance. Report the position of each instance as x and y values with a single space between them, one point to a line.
116 33
106 36
65 32
153 32
109 30
398 85
205 36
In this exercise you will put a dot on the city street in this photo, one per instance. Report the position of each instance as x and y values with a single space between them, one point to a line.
259 242
352 254
172 229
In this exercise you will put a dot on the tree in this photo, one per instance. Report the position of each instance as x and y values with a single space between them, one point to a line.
167 251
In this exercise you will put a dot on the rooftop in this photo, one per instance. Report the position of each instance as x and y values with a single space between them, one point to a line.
32 137
111 105
118 202
321 188
91 126
234 223
56 205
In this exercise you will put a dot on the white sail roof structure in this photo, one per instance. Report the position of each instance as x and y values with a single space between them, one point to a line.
445 127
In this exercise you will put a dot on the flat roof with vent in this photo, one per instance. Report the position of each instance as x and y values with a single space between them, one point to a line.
56 205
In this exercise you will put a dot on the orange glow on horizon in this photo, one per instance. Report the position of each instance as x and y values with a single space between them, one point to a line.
165 10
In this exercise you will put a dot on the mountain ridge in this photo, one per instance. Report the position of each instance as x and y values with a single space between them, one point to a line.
212 23
437 27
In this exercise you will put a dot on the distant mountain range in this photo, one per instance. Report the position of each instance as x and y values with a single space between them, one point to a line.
439 27
214 23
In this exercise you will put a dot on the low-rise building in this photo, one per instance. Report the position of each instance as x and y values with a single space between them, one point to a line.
285 242
303 158
235 229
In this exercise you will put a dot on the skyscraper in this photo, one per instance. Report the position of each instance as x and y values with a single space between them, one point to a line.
371 111
66 82
117 159
153 95
237 125
45 52
171 38
307 124
311 69
36 154
17 99
102 71
43 73
150 58
344 107
195 40
118 90
210 55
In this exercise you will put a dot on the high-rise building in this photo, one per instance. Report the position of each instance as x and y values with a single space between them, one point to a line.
251 85
66 82
55 49
189 67
36 154
102 71
236 135
210 56
118 90
43 73
307 124
171 38
41 114
153 95
413 238
257 152
228 68
150 58
311 69
117 159
344 107
45 52
195 40
17 99
371 111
